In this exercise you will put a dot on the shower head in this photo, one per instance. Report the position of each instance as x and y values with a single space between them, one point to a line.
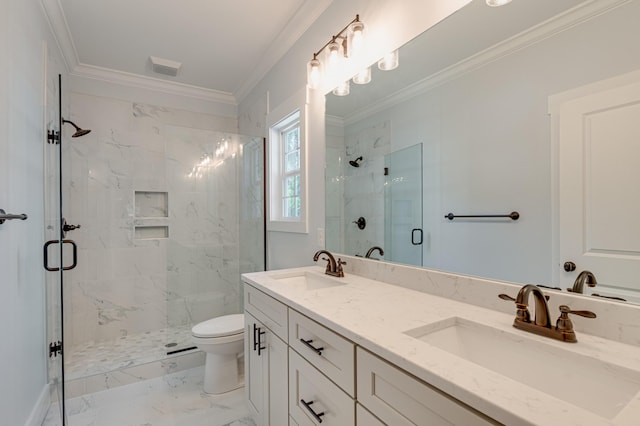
355 163
79 132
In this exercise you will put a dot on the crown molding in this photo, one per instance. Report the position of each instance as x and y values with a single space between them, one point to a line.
151 83
531 36
300 22
60 29
334 121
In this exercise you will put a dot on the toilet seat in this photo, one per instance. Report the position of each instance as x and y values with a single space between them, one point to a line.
227 325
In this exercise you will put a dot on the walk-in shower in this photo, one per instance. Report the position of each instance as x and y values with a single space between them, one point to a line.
171 207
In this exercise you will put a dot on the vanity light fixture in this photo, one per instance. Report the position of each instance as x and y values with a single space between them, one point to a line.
348 43
496 3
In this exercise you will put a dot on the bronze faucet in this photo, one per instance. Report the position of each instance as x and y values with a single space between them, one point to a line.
334 268
372 249
563 330
585 277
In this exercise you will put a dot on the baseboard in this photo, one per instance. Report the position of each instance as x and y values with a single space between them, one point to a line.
40 408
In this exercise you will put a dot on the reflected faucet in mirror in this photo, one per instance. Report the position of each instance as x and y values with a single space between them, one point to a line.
334 268
541 325
585 277
371 250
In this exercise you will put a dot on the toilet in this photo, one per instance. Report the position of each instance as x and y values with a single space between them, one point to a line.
222 340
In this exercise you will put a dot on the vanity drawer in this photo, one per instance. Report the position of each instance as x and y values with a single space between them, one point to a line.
336 357
398 398
365 418
267 310
321 395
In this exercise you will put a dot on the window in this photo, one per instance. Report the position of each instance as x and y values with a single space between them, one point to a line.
290 141
287 169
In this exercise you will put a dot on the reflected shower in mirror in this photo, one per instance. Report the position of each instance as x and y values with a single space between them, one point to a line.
480 94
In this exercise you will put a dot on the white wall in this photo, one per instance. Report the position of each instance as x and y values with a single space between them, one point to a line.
390 24
23 32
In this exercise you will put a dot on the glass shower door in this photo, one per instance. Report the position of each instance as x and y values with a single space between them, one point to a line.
52 235
403 206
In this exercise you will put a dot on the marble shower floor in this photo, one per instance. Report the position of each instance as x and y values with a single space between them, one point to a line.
126 351
173 400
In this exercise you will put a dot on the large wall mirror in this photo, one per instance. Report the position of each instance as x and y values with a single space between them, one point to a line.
471 123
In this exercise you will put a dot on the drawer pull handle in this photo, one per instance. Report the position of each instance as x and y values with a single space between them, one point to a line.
310 346
318 416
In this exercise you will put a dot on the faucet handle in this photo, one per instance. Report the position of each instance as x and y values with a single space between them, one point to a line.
339 264
565 325
506 297
564 309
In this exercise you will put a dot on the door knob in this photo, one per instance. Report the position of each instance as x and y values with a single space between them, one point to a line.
569 266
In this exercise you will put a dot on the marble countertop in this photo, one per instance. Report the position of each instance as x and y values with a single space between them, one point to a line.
376 315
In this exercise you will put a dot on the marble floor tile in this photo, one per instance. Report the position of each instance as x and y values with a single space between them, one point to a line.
172 400
126 351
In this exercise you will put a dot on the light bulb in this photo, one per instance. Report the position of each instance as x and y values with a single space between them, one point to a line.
496 3
363 77
342 89
314 74
390 61
356 39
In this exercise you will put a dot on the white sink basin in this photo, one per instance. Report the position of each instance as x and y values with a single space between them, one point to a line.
601 388
305 280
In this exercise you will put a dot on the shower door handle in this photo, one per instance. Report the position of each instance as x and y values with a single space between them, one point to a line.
413 236
64 268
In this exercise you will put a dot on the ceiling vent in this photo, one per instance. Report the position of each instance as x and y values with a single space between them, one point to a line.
165 66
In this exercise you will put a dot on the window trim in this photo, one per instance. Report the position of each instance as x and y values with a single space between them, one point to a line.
278 120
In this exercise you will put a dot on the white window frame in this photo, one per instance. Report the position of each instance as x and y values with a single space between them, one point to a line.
278 120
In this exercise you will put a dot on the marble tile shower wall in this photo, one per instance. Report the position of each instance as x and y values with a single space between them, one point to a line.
364 186
124 285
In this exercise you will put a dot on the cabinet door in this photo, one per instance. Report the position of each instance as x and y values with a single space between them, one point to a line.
276 356
255 377
266 379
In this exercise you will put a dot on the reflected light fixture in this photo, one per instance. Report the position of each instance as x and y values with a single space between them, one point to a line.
348 43
390 61
363 77
496 3
342 89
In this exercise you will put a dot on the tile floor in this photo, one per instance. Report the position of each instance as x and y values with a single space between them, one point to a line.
173 400
127 351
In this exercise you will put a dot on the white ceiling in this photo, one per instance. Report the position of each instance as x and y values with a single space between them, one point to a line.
223 45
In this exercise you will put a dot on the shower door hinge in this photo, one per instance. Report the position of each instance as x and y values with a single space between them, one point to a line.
55 348
53 137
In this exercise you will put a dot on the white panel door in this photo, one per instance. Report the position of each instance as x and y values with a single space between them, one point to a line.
599 193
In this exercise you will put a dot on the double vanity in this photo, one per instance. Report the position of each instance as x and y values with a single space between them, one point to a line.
397 345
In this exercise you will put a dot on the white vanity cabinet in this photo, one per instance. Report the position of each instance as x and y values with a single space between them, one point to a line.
299 372
266 359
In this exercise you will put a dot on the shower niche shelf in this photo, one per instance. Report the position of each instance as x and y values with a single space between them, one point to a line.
151 215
